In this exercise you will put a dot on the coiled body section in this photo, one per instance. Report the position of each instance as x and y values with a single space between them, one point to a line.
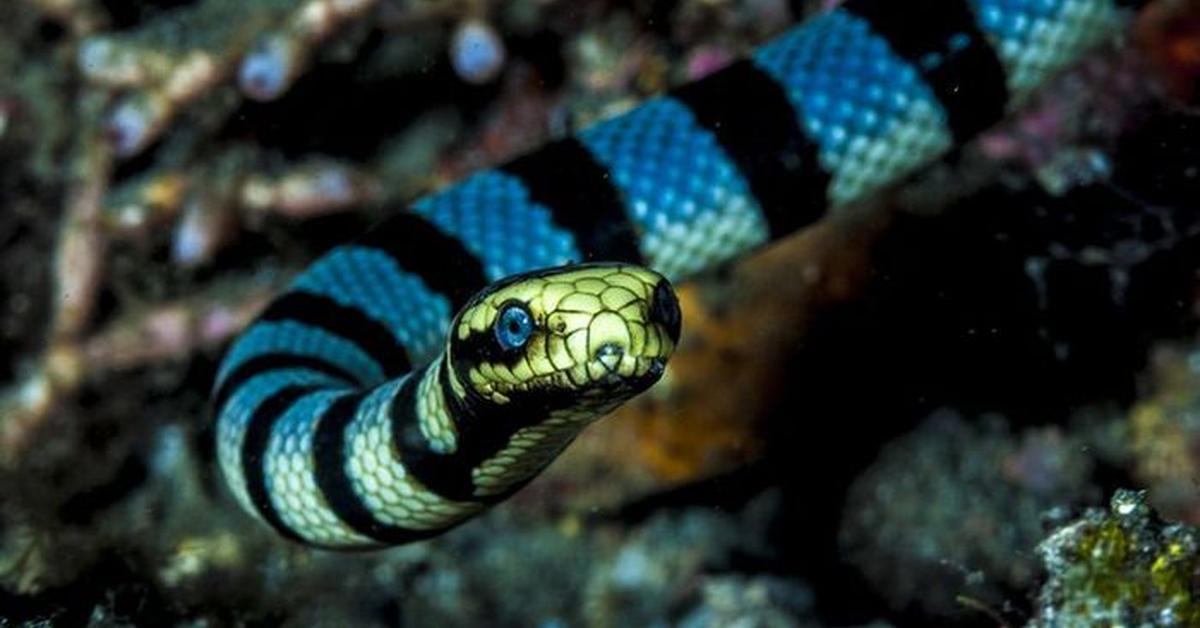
359 411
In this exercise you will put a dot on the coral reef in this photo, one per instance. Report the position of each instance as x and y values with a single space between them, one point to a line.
1123 567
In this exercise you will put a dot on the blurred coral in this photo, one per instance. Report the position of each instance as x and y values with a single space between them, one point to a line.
1164 432
955 509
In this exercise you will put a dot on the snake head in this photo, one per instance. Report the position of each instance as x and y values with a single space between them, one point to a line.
584 337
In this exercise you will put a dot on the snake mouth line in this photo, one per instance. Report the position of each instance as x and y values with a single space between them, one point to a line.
599 376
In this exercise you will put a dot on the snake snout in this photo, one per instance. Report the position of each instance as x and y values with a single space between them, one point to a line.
664 309
657 367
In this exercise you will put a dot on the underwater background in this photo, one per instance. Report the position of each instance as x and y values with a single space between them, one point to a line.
971 401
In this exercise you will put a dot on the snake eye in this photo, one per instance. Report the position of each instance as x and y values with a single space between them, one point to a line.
513 327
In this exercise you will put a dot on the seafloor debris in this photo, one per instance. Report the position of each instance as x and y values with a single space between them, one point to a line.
1121 567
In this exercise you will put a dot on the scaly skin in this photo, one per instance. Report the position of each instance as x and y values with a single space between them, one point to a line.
318 419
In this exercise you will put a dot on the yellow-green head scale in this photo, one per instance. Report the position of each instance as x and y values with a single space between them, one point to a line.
577 340
531 360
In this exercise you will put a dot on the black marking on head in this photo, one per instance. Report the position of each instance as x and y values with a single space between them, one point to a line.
440 260
329 457
942 40
578 190
484 346
254 447
266 362
754 122
484 428
344 321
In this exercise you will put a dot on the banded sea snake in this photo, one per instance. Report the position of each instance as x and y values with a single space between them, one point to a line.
346 419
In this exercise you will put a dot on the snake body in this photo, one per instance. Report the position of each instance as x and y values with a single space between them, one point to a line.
346 417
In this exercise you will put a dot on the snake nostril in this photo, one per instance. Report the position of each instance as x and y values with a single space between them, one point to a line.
664 310
610 356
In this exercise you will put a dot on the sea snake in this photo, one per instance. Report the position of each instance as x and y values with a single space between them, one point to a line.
360 411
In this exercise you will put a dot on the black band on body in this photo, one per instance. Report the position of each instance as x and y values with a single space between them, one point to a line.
440 260
754 122
344 321
447 475
483 429
254 448
275 362
578 190
329 460
942 40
